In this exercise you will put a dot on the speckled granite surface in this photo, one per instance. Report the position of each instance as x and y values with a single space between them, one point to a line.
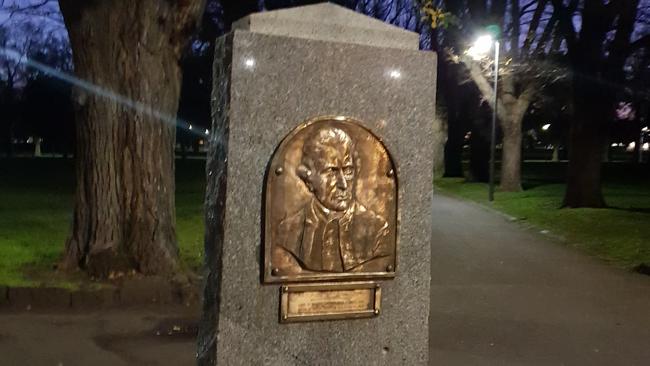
329 22
265 85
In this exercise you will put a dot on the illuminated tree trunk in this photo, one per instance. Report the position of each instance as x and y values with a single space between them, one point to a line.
124 216
512 107
511 157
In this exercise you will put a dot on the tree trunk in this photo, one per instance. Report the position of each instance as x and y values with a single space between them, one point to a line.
449 91
479 149
585 155
124 217
594 73
9 116
556 152
454 147
37 147
511 152
511 159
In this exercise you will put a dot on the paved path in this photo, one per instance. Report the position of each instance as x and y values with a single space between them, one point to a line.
109 338
502 295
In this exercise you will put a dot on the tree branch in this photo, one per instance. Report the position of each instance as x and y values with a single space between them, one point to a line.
566 23
484 87
525 8
516 29
619 47
534 24
546 34
643 42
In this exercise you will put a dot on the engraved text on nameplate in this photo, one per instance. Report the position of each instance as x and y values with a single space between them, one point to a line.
330 301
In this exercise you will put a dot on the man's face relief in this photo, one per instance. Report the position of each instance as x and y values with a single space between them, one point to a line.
332 178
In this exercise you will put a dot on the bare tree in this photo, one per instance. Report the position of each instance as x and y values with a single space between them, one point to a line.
523 73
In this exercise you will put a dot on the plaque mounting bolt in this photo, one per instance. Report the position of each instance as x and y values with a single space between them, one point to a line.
275 271
390 173
285 288
376 311
279 170
389 268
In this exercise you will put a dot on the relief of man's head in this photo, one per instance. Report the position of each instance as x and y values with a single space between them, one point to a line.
328 167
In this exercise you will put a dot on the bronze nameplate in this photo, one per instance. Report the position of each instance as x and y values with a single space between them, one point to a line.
331 205
329 301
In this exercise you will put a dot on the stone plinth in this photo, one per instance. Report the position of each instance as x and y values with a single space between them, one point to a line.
264 86
329 22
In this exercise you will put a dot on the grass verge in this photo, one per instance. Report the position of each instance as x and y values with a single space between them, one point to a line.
36 198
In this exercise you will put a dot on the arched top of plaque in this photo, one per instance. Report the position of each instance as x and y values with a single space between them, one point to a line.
331 205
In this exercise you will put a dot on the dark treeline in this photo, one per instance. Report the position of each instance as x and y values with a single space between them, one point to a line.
572 67
579 68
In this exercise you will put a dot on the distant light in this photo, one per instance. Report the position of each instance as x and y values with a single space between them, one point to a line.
207 132
614 145
631 146
645 146
190 127
249 62
645 129
481 47
395 74
546 126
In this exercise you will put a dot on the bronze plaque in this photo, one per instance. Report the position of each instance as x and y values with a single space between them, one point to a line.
331 205
329 301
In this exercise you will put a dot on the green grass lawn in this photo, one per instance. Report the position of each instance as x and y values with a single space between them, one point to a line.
36 212
36 197
619 234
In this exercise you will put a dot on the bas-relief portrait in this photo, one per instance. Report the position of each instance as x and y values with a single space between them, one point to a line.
331 205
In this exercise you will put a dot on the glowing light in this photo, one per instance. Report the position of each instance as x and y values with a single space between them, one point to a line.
645 146
190 127
395 74
631 146
249 62
546 126
645 129
207 132
614 145
481 47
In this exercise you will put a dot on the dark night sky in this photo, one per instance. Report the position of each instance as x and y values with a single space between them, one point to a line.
46 21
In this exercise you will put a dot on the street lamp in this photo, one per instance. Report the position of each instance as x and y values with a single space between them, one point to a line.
479 50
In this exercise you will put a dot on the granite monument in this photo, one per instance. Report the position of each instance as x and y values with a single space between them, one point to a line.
319 184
